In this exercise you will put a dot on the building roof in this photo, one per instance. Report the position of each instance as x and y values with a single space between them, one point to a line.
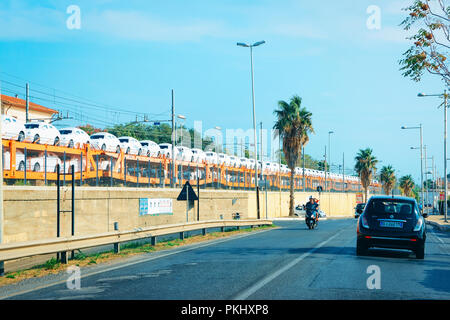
20 103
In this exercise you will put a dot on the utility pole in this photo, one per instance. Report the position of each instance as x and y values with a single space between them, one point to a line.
172 180
303 156
279 170
445 154
27 102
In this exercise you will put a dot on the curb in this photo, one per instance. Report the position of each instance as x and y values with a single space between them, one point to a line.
439 226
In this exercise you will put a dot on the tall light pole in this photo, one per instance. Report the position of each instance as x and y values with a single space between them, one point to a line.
329 150
445 96
240 44
172 180
421 158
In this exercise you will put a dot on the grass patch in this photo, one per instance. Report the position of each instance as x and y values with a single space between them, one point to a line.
52 264
81 259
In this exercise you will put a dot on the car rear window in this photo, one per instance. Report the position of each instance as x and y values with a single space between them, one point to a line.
32 125
144 144
123 140
65 131
390 207
98 137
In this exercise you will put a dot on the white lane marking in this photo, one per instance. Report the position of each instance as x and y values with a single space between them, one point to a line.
437 237
209 243
442 244
258 285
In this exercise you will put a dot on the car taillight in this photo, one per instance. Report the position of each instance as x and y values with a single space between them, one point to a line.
364 222
418 225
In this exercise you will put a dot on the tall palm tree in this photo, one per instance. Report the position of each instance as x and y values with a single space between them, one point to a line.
407 185
293 125
366 168
387 178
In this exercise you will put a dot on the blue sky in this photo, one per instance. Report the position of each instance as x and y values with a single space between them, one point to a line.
130 54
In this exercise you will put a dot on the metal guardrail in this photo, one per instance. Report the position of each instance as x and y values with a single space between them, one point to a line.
11 251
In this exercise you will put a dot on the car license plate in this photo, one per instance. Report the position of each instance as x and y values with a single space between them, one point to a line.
391 224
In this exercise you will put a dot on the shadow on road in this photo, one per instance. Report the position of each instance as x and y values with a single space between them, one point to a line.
437 279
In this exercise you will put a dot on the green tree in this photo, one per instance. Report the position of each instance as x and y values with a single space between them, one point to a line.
431 42
407 185
322 166
293 125
89 129
366 168
387 178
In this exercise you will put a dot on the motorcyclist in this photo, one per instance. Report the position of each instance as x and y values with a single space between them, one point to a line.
311 206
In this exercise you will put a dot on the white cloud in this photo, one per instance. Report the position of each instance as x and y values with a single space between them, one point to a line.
32 24
134 25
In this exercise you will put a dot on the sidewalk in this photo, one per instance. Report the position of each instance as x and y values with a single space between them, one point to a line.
438 221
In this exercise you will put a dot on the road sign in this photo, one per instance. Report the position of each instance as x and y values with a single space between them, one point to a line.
359 198
442 196
187 193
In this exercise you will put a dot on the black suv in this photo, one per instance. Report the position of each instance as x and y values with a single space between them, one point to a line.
391 222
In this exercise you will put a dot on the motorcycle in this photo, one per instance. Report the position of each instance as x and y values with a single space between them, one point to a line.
311 220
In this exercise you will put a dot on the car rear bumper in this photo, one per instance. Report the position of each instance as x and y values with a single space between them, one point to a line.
394 242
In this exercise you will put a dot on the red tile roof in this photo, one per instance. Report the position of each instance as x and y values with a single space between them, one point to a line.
16 102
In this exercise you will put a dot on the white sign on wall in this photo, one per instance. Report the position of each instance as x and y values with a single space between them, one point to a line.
155 206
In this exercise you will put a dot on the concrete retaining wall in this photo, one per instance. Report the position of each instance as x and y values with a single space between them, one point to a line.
30 212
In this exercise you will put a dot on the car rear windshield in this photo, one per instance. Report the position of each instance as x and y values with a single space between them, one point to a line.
98 137
123 140
32 126
144 144
65 131
390 207
163 147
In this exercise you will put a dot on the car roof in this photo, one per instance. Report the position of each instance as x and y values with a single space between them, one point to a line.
392 198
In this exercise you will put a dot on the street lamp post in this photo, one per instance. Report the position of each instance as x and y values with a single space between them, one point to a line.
254 117
421 158
445 96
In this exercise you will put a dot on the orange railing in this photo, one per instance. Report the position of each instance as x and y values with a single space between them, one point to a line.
34 162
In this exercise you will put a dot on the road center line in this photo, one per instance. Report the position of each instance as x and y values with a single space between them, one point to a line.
258 285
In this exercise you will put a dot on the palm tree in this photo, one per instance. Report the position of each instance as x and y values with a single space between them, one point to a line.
293 125
365 167
387 178
407 185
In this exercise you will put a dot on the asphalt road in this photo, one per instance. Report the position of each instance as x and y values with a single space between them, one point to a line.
291 262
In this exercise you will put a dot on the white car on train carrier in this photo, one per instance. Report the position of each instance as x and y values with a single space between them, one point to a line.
12 128
42 133
73 137
198 155
150 148
130 145
105 141
211 157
